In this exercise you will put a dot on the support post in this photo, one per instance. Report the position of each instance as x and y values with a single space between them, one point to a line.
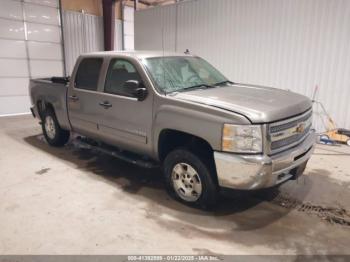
108 7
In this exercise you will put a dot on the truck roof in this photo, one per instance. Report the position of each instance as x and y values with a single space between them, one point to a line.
136 54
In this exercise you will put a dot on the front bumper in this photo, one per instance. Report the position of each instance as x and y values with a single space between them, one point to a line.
249 172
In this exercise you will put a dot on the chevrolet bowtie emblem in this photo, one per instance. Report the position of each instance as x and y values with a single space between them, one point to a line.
300 128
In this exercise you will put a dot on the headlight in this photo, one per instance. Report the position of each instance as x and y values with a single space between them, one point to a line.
242 138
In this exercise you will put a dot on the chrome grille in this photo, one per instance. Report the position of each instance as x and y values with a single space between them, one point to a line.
288 133
289 140
277 128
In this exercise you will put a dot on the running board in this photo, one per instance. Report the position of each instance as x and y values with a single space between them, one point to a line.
86 143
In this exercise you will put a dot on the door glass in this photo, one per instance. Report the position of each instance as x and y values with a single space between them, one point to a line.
88 73
120 71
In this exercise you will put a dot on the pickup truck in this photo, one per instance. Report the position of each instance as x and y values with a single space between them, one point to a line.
176 110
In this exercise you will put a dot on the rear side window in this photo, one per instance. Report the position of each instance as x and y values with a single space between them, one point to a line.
88 73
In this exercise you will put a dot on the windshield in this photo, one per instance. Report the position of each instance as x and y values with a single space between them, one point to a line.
178 73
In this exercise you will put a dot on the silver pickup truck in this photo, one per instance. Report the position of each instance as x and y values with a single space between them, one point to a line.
178 111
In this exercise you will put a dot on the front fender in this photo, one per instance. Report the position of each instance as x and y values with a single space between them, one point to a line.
206 124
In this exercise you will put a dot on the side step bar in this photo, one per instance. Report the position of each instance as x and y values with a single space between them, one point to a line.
85 143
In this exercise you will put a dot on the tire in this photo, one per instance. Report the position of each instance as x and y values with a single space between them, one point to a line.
54 134
348 142
189 180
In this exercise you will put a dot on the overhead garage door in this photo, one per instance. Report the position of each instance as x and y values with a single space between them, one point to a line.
30 47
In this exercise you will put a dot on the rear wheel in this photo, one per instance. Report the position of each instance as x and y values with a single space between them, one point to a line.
189 180
54 134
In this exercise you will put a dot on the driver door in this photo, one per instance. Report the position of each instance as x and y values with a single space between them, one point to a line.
123 120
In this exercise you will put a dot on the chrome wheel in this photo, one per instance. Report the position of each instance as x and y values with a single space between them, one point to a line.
50 127
186 182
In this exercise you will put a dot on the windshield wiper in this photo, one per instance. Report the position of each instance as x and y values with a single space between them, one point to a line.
197 86
224 82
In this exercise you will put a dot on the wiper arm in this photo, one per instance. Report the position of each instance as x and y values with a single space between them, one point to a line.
197 86
224 82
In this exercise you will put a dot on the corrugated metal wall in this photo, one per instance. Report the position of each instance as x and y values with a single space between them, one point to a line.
155 27
289 44
84 33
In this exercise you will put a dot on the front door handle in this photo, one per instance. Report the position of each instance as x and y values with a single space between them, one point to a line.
74 98
105 104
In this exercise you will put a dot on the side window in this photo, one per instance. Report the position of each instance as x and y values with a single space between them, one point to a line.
120 71
88 73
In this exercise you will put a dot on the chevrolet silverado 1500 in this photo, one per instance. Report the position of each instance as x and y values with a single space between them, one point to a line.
178 111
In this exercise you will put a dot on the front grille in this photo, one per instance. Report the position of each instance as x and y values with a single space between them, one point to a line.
287 133
289 140
281 127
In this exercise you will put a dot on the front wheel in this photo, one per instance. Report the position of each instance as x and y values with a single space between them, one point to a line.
54 134
189 180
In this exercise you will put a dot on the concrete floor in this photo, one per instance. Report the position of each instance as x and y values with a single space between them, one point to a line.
70 201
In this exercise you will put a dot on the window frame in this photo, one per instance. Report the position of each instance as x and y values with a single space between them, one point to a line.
99 74
112 60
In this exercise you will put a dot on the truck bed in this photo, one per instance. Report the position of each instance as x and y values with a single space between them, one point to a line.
51 91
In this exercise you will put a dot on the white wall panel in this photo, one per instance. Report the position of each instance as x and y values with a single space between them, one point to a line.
53 3
21 59
42 50
11 9
13 68
118 36
155 28
290 44
13 87
128 14
12 49
128 30
41 14
42 68
11 29
14 104
45 33
129 42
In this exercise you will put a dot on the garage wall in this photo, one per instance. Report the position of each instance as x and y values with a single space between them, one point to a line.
289 44
83 33
30 47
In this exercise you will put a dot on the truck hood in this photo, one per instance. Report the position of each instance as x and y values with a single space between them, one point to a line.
259 104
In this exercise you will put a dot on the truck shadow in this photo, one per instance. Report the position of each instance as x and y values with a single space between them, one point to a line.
147 185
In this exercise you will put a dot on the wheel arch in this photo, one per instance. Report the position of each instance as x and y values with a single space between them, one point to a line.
170 139
43 105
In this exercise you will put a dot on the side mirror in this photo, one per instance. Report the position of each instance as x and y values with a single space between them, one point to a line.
136 89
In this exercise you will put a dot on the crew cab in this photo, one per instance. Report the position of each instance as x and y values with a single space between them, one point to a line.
177 111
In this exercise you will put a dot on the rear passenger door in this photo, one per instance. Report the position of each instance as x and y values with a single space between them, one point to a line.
83 96
126 122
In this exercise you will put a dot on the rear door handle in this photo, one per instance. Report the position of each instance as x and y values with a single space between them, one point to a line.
105 104
74 98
